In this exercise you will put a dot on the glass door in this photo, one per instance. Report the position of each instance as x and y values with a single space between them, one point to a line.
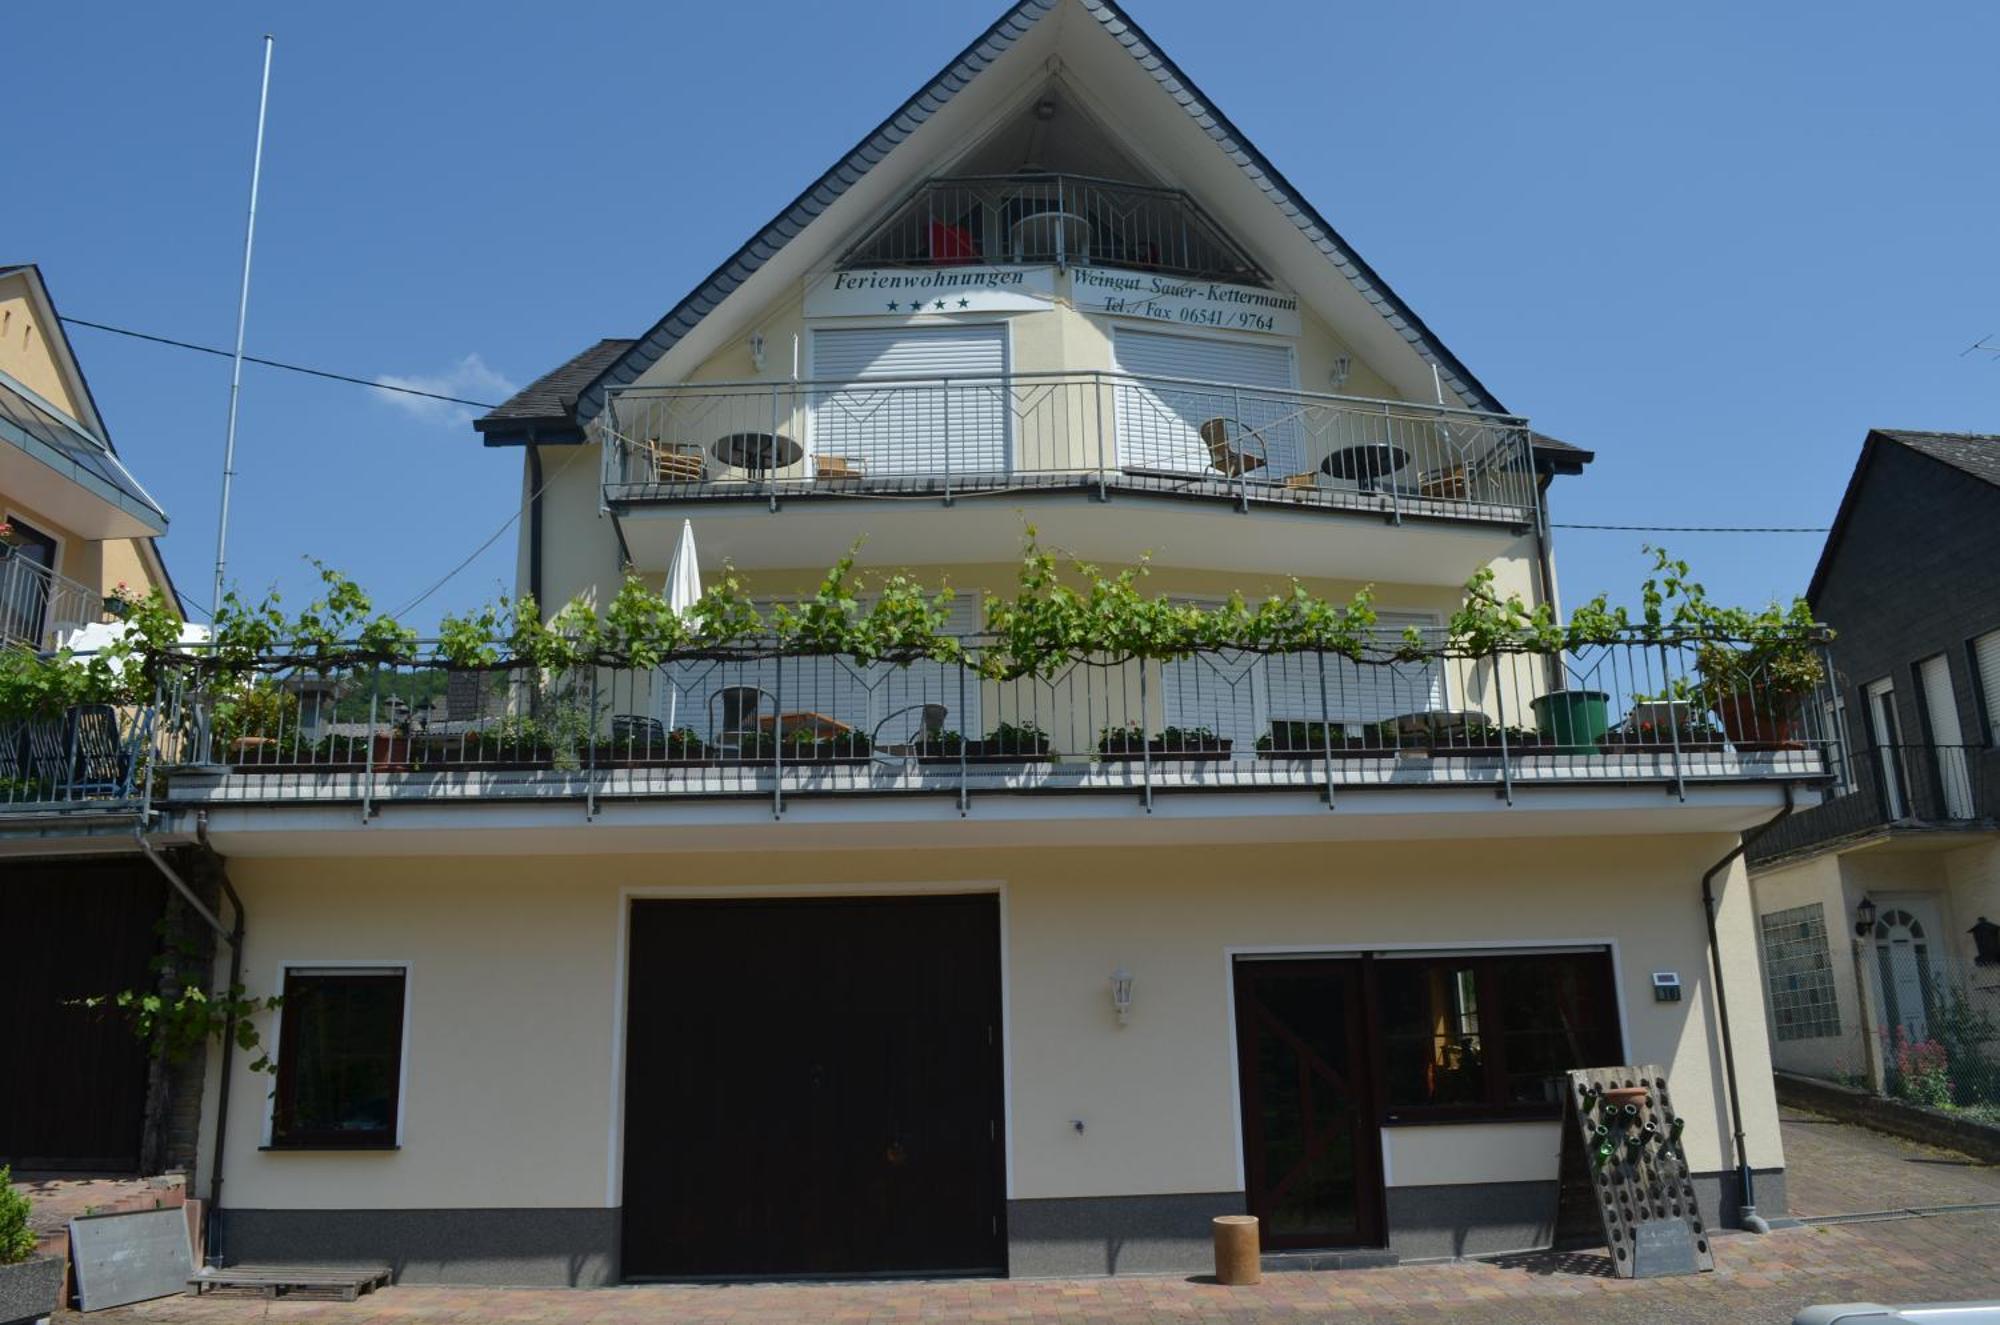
1310 1147
1888 748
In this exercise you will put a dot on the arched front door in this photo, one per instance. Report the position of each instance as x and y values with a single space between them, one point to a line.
1906 961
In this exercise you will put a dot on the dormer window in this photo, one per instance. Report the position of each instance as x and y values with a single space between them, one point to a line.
1035 219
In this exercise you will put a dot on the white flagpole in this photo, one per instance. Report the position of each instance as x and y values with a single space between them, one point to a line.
242 315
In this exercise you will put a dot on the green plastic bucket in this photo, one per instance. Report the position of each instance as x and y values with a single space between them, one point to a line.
1573 719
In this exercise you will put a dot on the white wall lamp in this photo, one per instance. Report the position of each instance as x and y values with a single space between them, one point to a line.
1342 366
1121 994
757 350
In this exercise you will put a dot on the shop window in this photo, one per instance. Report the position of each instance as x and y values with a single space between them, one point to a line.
1491 1035
340 1058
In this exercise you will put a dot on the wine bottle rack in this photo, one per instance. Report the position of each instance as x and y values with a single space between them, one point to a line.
1623 1121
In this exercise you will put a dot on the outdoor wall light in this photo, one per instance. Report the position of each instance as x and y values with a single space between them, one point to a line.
1864 918
1121 994
1342 366
1985 943
757 350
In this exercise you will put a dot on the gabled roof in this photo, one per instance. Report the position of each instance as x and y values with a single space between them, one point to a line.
1974 454
545 409
1011 28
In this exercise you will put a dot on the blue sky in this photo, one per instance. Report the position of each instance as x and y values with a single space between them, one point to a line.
1714 243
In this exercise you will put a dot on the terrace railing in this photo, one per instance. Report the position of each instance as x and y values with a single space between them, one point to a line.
761 720
1053 220
945 436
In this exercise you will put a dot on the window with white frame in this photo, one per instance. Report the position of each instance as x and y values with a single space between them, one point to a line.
1798 973
1986 674
340 1058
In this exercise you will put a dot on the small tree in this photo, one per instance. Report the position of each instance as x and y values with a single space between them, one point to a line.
17 1240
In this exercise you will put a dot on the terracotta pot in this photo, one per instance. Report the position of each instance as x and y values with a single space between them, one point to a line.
1750 724
390 750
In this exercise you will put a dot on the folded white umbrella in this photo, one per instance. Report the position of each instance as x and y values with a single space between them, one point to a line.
683 591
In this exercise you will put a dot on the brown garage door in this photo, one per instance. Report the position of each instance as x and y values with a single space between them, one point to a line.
814 1088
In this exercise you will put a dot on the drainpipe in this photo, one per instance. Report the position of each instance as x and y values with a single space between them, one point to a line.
535 520
233 936
1747 1215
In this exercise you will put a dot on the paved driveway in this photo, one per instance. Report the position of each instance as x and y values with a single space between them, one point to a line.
1756 1280
1834 1168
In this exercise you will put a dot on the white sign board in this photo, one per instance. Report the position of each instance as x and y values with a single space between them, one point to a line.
1184 302
130 1257
886 291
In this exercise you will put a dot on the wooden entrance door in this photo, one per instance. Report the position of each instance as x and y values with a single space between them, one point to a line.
814 1088
1310 1147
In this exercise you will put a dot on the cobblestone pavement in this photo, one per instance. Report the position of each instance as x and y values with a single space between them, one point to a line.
1835 1168
1756 1280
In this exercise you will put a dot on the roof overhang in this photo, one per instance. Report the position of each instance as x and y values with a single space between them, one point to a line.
49 463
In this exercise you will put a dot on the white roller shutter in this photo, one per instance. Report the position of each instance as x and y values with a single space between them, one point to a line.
1357 694
927 428
1159 422
1947 736
1986 660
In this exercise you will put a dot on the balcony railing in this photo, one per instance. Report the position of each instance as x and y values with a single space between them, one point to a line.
39 609
1893 787
762 721
946 436
89 755
1054 220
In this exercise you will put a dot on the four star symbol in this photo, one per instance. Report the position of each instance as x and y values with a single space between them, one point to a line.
917 305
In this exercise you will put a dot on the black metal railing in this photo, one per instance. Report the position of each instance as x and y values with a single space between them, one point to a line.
1883 787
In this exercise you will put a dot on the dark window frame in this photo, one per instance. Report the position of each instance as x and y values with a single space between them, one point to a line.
283 1136
1493 1031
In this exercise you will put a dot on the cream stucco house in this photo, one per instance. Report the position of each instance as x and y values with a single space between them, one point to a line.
793 965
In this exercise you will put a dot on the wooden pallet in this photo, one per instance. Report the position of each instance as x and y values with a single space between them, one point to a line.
326 1283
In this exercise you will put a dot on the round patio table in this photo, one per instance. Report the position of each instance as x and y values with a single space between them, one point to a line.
1366 463
758 451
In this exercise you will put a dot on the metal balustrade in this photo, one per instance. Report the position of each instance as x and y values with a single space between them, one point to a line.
1098 431
40 609
758 720
1053 220
1903 787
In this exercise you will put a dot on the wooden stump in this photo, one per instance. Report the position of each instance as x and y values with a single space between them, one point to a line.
1236 1253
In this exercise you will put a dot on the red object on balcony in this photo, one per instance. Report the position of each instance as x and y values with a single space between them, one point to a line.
952 245
1750 725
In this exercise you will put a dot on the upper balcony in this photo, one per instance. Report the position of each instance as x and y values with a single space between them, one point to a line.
1219 447
1054 220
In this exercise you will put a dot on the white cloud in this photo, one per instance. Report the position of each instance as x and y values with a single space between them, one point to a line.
469 379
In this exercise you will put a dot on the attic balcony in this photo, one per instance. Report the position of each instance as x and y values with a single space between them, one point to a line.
1035 219
1390 489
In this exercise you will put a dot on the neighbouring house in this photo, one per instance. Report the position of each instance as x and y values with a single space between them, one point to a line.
767 962
81 912
1877 909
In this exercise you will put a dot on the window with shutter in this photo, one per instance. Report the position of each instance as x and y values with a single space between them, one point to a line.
1986 668
1201 391
948 415
1357 694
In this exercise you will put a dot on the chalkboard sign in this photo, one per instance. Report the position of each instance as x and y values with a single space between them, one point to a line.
130 1257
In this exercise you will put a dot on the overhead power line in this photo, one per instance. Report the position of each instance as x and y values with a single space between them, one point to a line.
1700 528
274 363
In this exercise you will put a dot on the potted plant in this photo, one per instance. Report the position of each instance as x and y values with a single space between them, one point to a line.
1011 742
1756 678
1180 744
1295 739
30 1285
1572 721
119 602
